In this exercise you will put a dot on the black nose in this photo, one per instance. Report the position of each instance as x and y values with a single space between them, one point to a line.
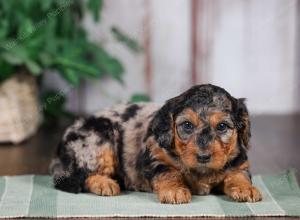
204 158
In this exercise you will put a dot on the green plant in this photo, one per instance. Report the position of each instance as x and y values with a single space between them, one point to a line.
54 107
123 38
46 34
138 97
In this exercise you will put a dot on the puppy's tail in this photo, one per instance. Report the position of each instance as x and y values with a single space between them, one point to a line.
66 175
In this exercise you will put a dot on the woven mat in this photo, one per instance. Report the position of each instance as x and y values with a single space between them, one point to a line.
34 196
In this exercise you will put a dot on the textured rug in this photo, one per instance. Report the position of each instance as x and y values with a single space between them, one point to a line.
34 196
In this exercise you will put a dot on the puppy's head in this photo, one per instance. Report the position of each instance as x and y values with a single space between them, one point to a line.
205 127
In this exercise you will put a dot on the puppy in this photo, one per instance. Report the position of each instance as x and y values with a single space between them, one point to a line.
194 143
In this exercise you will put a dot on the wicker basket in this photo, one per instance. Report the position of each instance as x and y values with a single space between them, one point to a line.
20 115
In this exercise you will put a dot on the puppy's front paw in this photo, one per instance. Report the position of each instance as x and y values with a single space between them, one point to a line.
203 189
244 194
175 195
103 186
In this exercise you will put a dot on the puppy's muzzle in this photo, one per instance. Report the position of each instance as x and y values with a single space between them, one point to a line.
204 157
204 138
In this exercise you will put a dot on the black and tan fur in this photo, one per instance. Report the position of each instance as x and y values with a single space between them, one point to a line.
195 143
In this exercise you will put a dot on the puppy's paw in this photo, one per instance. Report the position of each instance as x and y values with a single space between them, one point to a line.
244 194
103 186
203 189
175 195
108 188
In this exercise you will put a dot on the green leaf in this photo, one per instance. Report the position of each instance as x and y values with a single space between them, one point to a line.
46 4
7 71
139 98
6 6
71 76
127 41
88 70
16 55
46 59
11 58
79 66
95 6
109 65
26 29
33 67
34 46
114 68
66 24
53 103
4 27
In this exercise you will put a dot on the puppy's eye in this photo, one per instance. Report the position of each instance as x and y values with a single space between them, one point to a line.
188 126
222 127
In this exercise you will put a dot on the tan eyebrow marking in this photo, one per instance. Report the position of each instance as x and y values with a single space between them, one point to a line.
190 115
216 117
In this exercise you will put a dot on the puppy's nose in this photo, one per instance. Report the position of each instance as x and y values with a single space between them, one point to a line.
203 141
204 157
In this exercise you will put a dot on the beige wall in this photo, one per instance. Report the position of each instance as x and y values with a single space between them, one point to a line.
252 52
248 47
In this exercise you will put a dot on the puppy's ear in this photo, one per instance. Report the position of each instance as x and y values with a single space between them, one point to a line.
243 123
162 124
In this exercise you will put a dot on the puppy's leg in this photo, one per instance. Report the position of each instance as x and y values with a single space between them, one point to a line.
101 182
203 188
170 188
238 186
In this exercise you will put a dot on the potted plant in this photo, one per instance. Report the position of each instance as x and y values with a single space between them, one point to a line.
37 35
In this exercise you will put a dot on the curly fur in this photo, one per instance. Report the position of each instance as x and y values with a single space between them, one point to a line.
143 147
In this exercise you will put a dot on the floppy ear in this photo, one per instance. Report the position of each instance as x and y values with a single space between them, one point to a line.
243 124
162 124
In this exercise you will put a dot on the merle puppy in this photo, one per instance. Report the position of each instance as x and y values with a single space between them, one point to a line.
194 143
